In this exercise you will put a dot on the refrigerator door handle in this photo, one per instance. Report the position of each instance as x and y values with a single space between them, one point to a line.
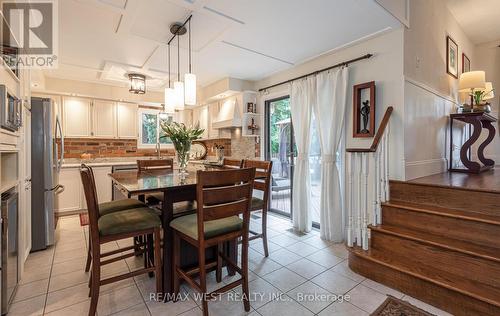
58 189
60 161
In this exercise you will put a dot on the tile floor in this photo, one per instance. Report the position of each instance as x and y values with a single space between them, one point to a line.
298 268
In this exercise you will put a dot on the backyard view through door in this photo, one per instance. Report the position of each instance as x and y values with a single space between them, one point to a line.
281 150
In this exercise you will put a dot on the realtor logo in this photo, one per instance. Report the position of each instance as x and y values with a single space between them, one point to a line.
30 27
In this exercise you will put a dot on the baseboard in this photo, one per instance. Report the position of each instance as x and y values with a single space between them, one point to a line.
422 168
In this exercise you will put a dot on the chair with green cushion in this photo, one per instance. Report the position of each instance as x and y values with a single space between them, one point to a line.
262 183
222 197
114 226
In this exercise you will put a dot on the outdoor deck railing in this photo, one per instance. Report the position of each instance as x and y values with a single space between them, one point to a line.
368 185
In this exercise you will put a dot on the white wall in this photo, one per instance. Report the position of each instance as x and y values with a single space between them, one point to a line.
385 68
430 93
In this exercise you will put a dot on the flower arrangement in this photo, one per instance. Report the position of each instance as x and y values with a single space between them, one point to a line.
182 138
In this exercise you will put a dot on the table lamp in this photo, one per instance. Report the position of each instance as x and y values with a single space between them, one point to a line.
471 81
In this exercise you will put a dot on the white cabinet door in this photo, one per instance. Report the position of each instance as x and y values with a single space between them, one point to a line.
77 117
127 120
104 119
71 198
213 113
200 117
103 183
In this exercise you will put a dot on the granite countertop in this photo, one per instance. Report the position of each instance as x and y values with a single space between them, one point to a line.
118 161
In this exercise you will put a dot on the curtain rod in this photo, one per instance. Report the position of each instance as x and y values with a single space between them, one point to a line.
318 71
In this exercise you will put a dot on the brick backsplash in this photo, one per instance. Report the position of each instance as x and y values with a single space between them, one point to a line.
99 148
103 148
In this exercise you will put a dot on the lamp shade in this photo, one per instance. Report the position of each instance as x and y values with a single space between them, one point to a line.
170 100
489 91
137 83
179 95
472 80
190 89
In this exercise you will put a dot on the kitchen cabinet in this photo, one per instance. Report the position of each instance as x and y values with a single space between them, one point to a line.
126 120
213 113
77 117
200 117
70 199
185 117
73 198
104 119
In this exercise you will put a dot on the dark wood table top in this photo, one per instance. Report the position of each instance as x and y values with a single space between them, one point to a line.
481 115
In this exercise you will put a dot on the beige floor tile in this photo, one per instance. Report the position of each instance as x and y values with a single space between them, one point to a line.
35 274
263 266
193 312
334 282
118 300
36 263
284 279
30 307
312 296
171 308
285 306
306 268
137 310
228 304
72 265
382 288
30 290
66 255
302 249
66 280
338 250
284 257
67 297
261 292
283 240
342 309
365 298
343 268
80 309
325 258
318 242
259 247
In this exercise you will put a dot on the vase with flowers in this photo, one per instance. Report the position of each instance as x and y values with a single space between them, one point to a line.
182 137
480 98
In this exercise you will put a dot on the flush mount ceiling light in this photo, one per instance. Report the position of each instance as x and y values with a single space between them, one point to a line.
137 83
182 93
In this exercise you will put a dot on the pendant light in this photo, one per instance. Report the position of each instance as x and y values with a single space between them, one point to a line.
179 85
137 83
190 78
169 92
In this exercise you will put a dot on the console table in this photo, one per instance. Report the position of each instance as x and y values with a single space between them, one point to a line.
478 121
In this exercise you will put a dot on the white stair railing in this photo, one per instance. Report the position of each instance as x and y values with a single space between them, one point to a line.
367 185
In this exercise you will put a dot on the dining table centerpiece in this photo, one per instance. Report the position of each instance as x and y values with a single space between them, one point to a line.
182 137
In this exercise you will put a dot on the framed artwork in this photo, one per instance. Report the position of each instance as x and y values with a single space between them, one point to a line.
465 63
451 57
364 110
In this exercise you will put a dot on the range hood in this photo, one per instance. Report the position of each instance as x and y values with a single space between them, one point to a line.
229 115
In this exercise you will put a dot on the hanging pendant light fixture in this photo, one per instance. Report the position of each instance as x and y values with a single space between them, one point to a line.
179 85
137 83
169 92
190 78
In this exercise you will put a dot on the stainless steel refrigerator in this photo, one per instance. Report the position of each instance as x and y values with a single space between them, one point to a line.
46 141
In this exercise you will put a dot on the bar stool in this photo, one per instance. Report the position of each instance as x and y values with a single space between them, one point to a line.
222 197
112 227
262 183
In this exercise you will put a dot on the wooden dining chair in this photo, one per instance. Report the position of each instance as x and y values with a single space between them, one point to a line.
262 184
232 163
222 197
116 226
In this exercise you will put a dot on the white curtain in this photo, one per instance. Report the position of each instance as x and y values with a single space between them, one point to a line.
302 99
329 110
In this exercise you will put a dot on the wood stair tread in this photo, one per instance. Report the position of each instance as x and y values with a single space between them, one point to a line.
480 291
485 252
441 211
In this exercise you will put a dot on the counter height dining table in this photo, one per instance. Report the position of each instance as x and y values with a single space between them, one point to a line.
176 188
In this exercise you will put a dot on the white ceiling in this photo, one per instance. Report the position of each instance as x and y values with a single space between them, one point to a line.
480 19
101 40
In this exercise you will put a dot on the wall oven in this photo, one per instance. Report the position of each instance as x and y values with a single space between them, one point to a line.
11 107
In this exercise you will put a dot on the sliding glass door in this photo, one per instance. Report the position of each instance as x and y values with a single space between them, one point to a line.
281 150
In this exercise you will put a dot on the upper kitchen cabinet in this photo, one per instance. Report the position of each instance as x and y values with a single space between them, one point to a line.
200 118
127 120
77 117
104 119
213 112
185 117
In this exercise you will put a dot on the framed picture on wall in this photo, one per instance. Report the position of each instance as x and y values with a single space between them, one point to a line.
364 110
451 57
465 63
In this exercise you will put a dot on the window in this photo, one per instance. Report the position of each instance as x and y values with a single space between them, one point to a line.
150 130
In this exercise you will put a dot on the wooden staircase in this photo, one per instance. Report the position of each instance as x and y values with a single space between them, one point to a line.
440 244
